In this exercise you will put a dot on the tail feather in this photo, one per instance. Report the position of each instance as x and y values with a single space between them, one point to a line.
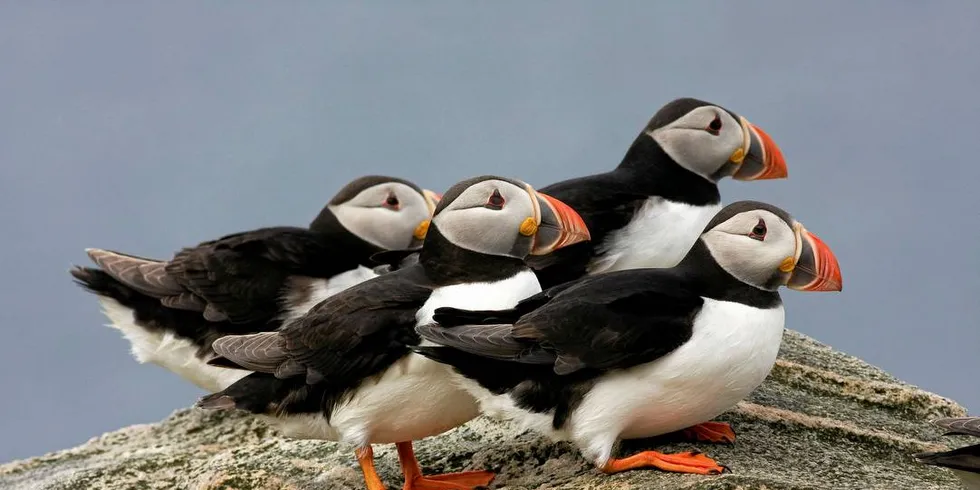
255 393
147 276
494 375
98 282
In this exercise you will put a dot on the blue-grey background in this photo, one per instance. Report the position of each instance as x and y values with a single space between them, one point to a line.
144 127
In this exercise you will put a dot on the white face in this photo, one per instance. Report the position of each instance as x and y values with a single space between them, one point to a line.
388 215
487 218
703 140
752 246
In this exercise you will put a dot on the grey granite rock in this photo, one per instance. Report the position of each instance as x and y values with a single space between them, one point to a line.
823 420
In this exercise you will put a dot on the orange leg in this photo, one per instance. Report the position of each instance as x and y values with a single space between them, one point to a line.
365 456
414 480
689 462
711 432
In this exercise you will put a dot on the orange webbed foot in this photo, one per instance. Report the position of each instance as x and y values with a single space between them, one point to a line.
468 480
414 480
718 432
689 462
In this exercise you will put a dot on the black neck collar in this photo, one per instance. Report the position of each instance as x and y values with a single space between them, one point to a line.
446 264
648 169
701 269
327 227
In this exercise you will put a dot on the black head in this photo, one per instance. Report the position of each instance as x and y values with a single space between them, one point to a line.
714 142
763 246
387 212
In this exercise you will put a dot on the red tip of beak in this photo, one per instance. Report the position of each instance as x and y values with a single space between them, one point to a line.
573 228
827 271
774 163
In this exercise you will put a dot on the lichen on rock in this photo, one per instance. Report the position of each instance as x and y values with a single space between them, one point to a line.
822 420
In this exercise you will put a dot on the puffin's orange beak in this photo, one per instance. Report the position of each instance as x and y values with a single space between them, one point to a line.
763 159
431 199
816 268
560 226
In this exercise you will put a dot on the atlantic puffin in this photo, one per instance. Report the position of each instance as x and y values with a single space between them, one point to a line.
246 282
649 210
963 462
641 352
345 371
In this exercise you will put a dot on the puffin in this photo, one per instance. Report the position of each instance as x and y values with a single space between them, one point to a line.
641 352
963 462
171 311
649 210
345 370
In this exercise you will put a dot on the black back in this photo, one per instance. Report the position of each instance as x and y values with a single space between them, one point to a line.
609 201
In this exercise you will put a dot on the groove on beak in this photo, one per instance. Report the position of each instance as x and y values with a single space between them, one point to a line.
817 268
432 199
560 226
763 160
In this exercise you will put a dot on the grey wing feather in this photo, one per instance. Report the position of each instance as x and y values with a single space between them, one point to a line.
184 301
567 365
144 275
491 341
213 314
263 352
969 426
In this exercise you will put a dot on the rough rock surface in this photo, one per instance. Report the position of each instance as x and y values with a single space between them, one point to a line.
823 420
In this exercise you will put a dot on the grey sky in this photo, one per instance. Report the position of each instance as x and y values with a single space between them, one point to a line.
146 127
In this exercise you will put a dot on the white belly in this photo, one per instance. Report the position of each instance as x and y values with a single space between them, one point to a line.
730 353
175 354
416 397
412 400
659 236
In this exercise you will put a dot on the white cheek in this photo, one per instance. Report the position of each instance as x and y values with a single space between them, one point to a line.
695 150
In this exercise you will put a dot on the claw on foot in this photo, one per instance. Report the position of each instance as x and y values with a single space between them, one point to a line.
467 480
689 462
718 432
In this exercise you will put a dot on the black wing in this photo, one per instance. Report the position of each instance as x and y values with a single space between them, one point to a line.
349 336
603 322
237 278
240 277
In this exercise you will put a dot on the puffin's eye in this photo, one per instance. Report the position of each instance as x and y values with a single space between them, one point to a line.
714 127
391 202
759 232
496 201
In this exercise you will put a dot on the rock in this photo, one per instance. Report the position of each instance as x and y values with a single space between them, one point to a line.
823 420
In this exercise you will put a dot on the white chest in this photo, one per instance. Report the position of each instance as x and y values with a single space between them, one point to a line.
321 289
660 235
481 296
730 353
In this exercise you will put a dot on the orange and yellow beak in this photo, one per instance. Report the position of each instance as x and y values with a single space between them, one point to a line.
432 199
559 225
815 267
762 158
